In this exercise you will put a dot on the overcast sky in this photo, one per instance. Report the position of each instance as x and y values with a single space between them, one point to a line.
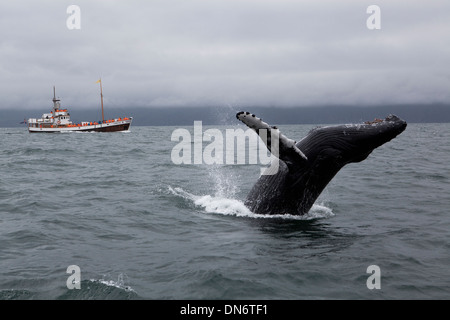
224 53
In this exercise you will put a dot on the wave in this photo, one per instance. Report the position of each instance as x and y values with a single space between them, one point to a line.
234 207
101 289
15 294
119 284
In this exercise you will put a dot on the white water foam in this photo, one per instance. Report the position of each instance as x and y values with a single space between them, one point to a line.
117 284
233 207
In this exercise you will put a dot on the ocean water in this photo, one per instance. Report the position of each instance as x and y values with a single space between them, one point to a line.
139 226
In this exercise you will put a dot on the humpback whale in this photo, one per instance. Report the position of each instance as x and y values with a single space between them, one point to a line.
307 166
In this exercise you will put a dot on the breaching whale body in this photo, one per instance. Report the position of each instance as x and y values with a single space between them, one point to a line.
307 166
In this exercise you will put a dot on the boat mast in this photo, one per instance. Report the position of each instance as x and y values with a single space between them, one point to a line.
55 102
101 96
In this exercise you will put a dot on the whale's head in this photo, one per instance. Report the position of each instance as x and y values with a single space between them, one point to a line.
354 142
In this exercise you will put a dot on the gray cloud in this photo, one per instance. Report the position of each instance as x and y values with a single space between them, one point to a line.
224 52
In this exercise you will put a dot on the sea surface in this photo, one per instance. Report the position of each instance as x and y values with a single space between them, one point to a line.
139 226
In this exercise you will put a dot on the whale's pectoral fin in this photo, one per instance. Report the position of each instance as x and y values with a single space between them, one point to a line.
277 143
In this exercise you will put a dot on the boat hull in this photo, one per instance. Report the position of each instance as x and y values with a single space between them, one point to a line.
102 127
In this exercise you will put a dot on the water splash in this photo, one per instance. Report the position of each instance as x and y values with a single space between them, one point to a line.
224 182
120 283
234 207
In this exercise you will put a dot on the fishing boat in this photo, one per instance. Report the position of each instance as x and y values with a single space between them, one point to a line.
58 120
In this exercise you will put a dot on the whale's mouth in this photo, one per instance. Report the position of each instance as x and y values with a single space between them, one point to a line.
376 120
390 119
392 124
362 139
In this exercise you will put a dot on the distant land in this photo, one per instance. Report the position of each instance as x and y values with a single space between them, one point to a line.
185 116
